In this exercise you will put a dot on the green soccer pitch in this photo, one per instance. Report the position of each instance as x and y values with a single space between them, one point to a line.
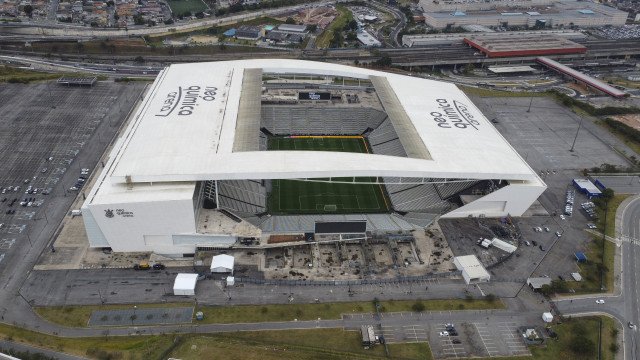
310 197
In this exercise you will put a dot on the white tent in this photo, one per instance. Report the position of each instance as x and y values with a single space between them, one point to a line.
472 269
547 317
222 264
185 284
231 281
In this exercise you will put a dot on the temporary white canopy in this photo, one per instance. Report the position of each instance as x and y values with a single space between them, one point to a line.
222 264
185 284
472 269
547 317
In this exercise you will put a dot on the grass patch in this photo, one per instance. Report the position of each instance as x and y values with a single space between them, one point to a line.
187 7
590 270
612 207
24 76
572 329
288 312
78 316
324 40
293 344
121 347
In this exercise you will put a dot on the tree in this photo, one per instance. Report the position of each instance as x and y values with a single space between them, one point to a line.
290 21
614 348
28 9
110 3
468 69
139 59
490 297
351 25
581 345
384 61
312 28
138 20
418 306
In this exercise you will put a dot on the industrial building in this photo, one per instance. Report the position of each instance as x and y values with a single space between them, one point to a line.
506 45
562 13
199 165
458 38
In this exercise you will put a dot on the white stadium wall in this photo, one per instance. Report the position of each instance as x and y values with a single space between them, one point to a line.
513 200
145 226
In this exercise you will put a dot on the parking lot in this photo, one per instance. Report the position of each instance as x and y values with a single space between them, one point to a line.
461 340
48 134
618 32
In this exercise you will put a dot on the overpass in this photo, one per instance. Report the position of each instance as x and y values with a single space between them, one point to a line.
582 78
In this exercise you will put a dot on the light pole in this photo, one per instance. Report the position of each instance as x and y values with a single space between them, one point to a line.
577 132
530 102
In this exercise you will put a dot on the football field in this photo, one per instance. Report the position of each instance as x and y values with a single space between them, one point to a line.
317 197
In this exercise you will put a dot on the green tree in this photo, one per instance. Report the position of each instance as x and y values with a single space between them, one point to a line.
581 345
28 9
614 348
290 21
418 306
468 69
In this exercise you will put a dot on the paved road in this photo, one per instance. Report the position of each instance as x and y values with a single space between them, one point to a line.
623 304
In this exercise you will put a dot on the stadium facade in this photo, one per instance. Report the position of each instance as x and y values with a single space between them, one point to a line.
225 150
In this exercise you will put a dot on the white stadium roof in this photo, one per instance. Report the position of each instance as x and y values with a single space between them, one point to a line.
186 127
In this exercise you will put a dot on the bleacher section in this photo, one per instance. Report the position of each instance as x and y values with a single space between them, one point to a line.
305 120
306 223
420 219
244 198
384 140
430 198
446 190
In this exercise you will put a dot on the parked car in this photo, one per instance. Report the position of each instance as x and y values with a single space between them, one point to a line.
143 265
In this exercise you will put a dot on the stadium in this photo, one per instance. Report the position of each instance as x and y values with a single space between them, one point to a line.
224 151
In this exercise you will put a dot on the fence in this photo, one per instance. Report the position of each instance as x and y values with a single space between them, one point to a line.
397 280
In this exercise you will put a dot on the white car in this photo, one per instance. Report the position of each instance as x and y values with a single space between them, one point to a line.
562 217
591 226
558 234
444 333
600 301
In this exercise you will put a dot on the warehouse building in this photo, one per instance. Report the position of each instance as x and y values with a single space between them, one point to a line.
563 13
